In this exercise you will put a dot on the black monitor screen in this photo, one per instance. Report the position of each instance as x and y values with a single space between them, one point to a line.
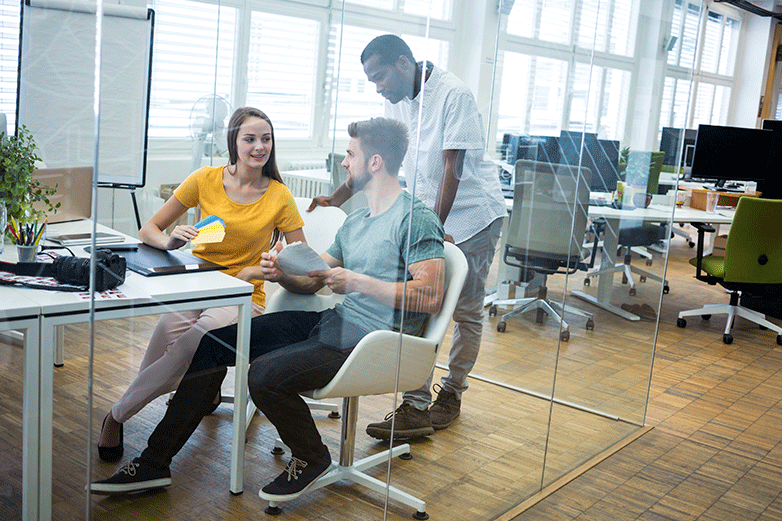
772 124
732 153
670 143
771 186
600 156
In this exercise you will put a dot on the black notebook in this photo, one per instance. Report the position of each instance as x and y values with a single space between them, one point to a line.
149 261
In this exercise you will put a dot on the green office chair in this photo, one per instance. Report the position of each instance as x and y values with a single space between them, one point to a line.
751 267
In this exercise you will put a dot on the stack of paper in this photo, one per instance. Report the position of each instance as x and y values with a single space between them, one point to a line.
210 229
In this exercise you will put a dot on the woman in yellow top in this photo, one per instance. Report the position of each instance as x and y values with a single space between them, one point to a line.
249 196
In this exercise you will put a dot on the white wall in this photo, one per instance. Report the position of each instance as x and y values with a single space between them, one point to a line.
752 67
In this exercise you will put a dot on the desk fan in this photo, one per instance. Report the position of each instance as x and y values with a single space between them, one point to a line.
208 121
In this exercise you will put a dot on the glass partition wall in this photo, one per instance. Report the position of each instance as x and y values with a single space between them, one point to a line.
571 97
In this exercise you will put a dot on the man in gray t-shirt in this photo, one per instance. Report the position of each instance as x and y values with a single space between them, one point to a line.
299 351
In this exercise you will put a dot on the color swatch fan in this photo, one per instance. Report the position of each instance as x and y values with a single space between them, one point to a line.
210 229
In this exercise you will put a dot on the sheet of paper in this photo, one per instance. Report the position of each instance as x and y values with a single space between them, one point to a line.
299 259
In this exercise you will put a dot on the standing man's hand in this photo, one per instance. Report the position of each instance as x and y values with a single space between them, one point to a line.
321 200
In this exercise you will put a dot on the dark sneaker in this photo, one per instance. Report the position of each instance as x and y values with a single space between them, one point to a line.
445 409
409 423
297 477
133 476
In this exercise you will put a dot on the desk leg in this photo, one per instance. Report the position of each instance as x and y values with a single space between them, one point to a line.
59 347
31 421
47 339
240 397
605 284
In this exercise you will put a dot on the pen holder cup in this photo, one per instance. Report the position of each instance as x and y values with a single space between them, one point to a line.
27 253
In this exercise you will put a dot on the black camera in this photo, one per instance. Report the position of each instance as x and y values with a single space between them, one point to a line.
109 270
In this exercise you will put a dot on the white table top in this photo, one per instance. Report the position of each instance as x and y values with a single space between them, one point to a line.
139 289
657 213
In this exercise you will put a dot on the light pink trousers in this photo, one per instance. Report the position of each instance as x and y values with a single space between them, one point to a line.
171 348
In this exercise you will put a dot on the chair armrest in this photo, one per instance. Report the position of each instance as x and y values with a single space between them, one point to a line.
284 300
702 229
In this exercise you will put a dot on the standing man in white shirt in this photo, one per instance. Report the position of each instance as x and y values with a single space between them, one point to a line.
445 167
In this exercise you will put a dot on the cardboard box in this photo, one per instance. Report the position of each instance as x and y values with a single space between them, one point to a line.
698 199
719 245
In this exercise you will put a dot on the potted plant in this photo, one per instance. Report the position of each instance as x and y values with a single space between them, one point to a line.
18 189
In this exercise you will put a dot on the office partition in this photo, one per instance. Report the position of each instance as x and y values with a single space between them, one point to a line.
536 406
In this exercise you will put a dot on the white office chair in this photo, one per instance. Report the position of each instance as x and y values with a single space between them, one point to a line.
370 370
320 228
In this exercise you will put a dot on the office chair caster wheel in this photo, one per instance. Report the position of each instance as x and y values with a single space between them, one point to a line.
277 451
649 262
586 282
501 327
705 317
420 515
643 278
590 325
406 456
779 340
666 289
492 311
564 335
691 244
632 292
273 511
681 322
335 415
727 338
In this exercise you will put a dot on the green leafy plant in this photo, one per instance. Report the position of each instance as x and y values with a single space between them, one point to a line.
18 188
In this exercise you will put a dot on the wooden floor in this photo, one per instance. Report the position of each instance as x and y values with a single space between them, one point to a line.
714 451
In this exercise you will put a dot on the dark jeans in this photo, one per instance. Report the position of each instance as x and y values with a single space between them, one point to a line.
293 352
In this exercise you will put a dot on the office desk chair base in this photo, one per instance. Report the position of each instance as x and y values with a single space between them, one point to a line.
348 470
732 311
543 306
627 271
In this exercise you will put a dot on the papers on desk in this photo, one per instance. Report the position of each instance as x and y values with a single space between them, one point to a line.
299 258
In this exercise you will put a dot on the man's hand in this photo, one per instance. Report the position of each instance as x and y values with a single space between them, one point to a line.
448 238
339 280
269 268
321 200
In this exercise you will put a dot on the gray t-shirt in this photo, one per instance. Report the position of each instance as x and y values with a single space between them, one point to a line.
377 246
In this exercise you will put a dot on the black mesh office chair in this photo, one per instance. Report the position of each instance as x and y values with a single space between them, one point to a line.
545 233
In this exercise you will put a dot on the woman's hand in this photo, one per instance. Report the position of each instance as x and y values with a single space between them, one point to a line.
269 269
181 235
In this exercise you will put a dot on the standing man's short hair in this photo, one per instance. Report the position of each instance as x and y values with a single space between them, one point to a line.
388 47
383 136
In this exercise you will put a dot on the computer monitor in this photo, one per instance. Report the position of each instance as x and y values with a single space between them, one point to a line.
600 156
670 143
771 186
772 124
733 154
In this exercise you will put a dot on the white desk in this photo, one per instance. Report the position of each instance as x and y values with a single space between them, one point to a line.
52 309
615 219
18 313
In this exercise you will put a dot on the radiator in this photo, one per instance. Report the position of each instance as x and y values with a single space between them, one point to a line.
307 179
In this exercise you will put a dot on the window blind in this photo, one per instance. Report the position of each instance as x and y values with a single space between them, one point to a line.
193 56
282 70
9 60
